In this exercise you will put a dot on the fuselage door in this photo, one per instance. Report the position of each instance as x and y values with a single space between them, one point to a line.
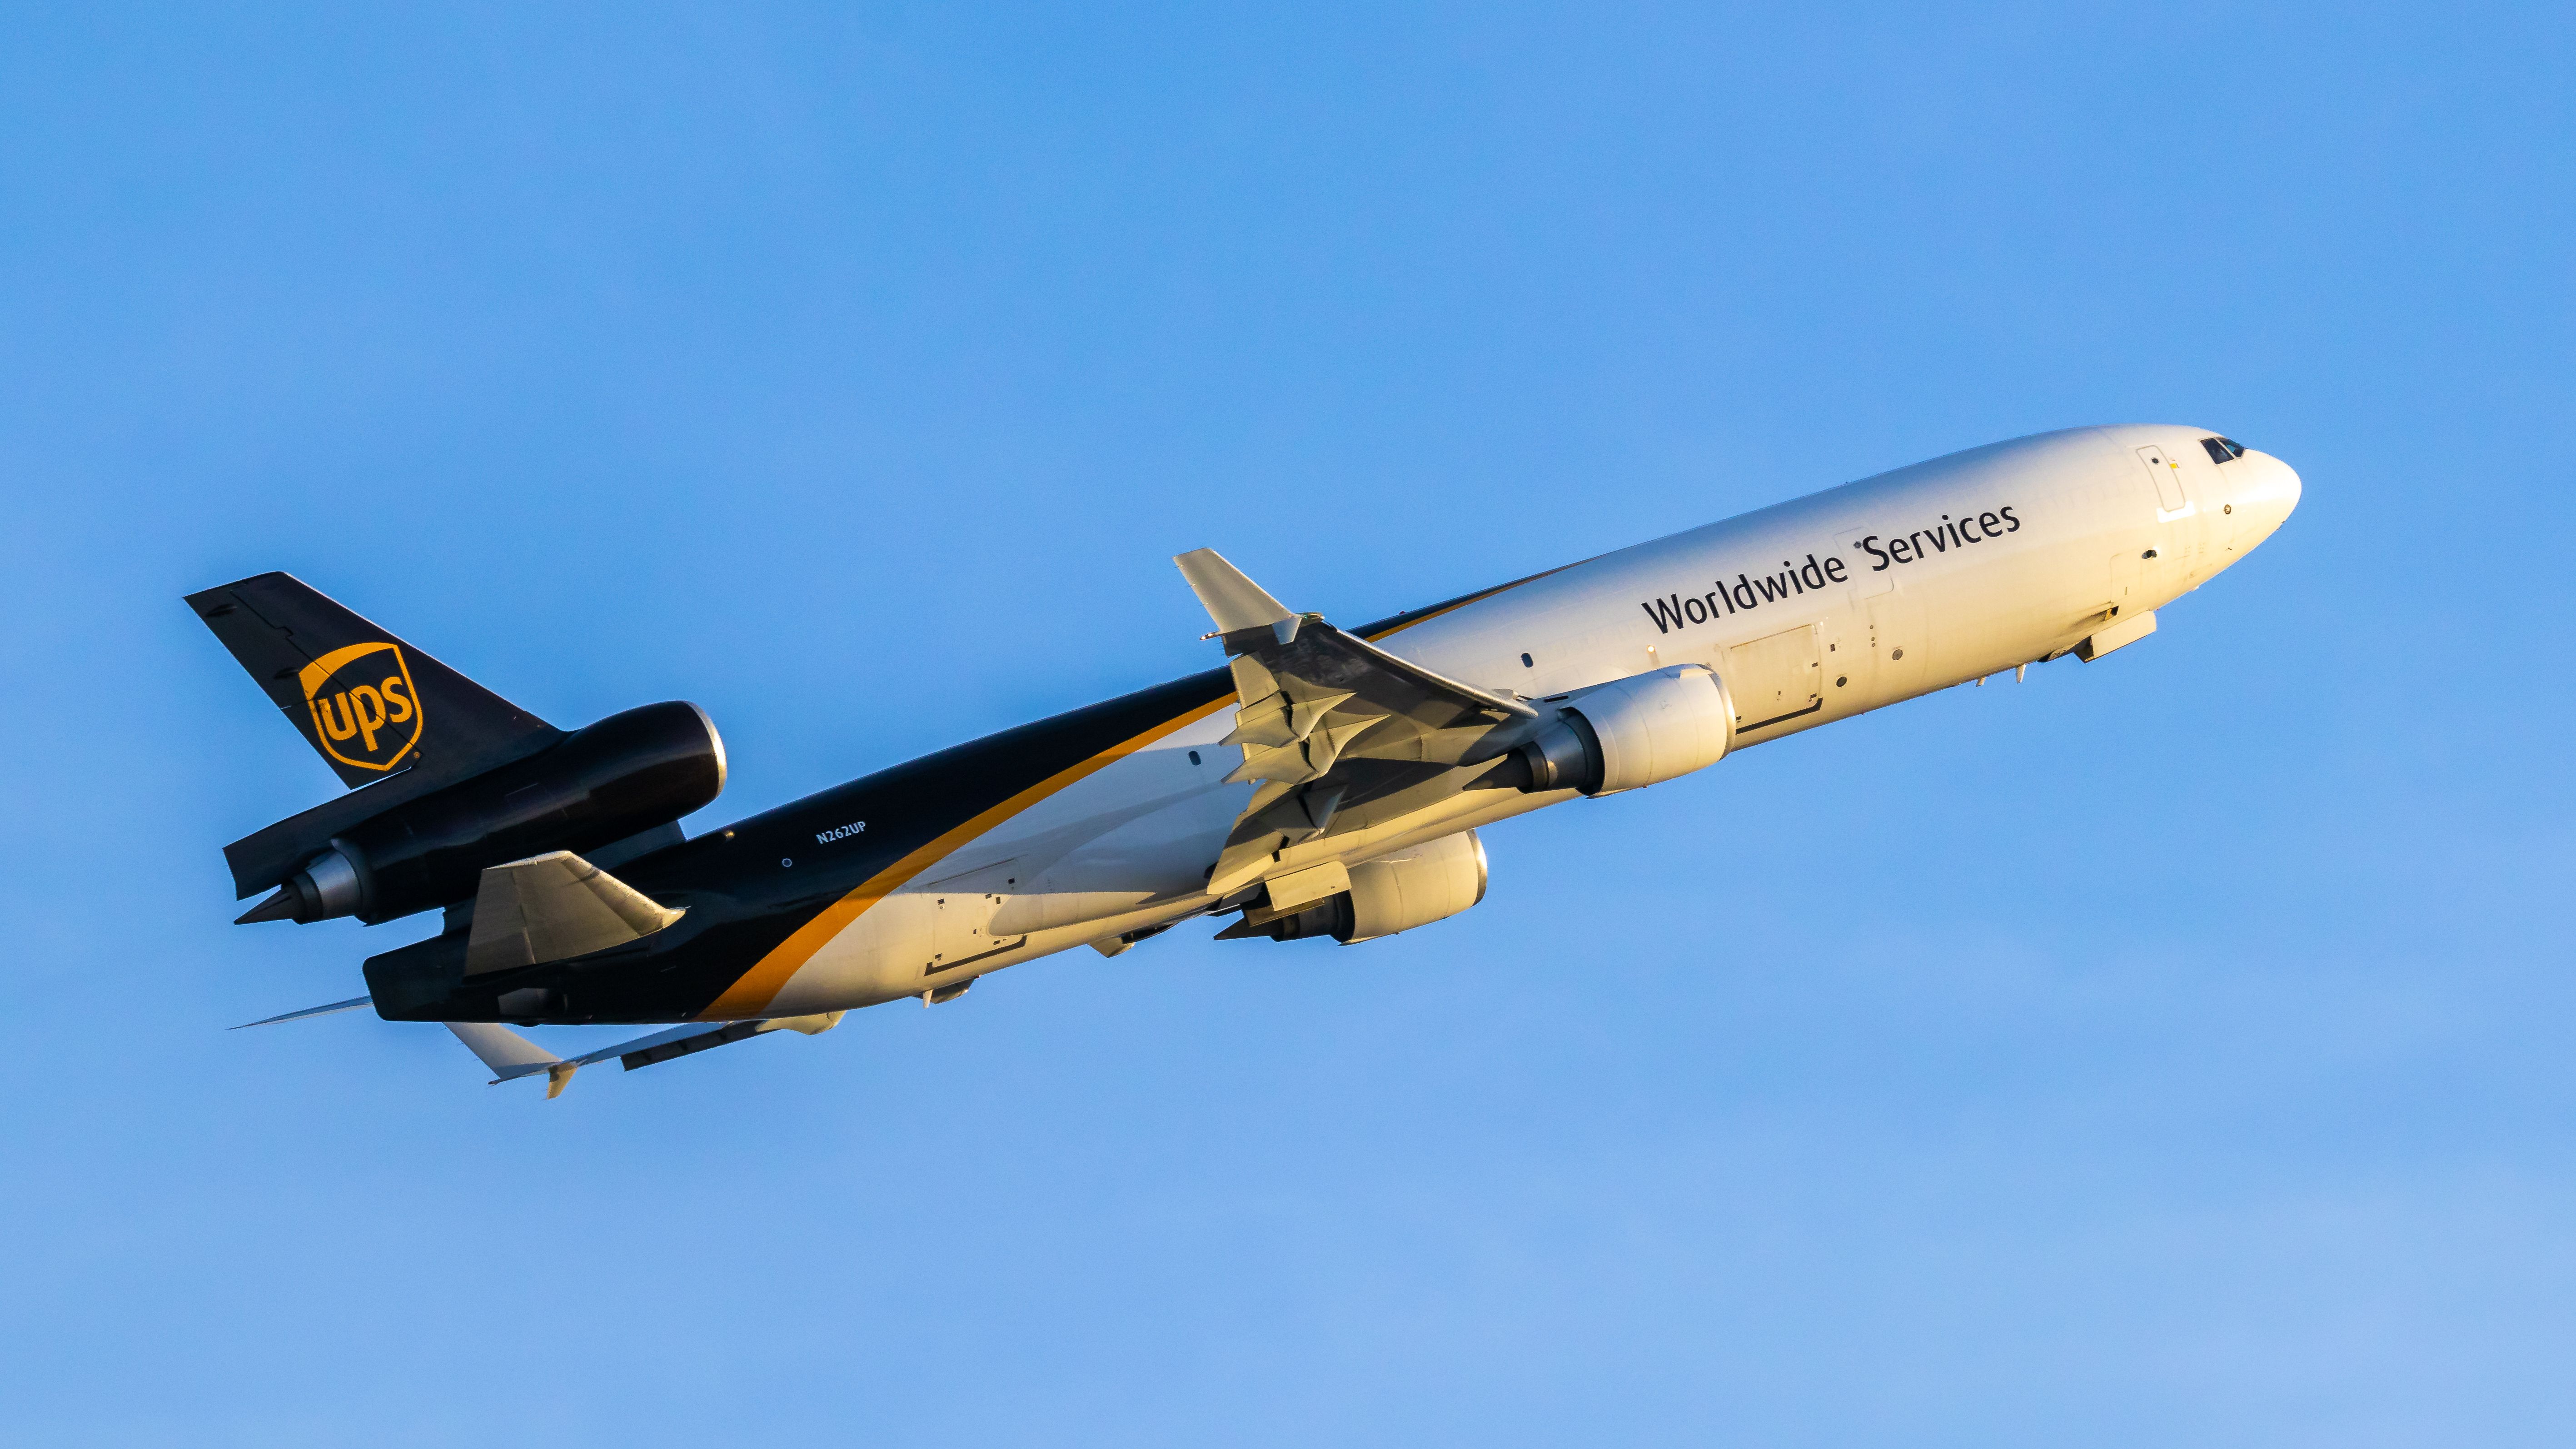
1776 678
2168 475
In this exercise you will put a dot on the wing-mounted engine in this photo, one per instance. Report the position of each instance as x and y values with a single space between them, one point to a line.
1340 736
1625 735
1430 882
1337 734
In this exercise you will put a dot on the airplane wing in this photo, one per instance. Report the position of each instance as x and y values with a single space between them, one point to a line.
1340 734
553 907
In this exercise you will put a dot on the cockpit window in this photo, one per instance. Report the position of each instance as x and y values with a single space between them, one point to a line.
2223 450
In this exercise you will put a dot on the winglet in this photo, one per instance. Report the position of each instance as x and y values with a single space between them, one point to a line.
1235 602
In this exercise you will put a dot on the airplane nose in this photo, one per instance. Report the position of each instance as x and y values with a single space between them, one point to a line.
2270 495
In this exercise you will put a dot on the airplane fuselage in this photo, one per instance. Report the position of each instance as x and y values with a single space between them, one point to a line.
1099 826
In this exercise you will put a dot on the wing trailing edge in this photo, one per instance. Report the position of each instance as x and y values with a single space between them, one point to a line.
1337 734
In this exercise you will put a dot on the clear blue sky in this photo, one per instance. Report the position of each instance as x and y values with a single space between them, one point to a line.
2179 1049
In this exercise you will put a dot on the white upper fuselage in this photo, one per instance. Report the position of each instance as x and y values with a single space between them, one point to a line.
1812 611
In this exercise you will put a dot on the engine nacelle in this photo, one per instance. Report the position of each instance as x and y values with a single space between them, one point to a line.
623 775
1642 730
1430 882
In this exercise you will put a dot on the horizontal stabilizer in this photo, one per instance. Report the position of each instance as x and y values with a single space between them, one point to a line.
511 1056
506 1052
554 907
350 1005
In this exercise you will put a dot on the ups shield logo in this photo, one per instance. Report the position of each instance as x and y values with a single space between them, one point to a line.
365 712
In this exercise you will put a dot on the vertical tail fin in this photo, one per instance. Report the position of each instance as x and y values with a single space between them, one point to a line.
370 704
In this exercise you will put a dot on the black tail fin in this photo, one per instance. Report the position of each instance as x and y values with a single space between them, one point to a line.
371 704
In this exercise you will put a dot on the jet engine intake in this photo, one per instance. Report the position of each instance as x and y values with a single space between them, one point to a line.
1629 733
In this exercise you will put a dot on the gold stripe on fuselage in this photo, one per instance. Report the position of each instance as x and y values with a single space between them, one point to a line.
751 993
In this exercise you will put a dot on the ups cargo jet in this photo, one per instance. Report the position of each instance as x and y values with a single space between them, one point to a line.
1323 783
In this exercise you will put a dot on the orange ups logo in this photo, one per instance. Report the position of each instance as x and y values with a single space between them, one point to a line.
365 712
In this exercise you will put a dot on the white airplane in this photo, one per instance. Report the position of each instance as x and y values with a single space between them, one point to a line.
1323 784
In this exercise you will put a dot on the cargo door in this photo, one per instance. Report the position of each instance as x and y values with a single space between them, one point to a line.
2171 498
1775 679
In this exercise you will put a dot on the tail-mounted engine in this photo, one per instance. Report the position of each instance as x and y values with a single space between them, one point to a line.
1629 733
445 777
625 775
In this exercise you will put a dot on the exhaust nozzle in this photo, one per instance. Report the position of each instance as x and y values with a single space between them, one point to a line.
327 886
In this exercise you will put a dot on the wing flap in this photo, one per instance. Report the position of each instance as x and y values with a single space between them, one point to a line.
1332 725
